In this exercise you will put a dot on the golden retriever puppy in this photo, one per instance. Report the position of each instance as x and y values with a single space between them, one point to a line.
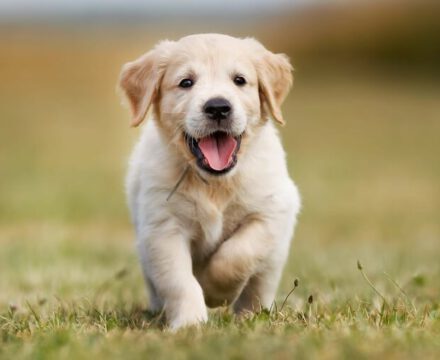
210 196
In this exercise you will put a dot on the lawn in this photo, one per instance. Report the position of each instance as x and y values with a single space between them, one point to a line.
363 148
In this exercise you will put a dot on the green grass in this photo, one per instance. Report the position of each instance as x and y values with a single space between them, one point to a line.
363 149
75 292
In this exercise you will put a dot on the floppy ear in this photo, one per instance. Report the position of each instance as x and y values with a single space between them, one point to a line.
275 81
140 80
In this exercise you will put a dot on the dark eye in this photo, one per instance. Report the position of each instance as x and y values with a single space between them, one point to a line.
186 83
239 80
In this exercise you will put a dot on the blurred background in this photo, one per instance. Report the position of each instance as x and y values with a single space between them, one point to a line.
362 137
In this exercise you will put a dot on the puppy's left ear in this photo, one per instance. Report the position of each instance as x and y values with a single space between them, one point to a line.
275 81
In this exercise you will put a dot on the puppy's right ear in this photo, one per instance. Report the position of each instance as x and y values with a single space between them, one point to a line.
140 80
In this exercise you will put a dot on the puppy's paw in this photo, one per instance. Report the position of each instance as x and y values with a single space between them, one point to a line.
189 310
221 280
192 317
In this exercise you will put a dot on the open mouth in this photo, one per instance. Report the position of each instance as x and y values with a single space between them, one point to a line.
215 153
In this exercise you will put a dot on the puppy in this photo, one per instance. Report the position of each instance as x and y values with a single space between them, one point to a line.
208 188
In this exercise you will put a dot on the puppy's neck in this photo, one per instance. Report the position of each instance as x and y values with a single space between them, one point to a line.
219 190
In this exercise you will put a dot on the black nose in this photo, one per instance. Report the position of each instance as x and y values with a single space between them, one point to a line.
217 108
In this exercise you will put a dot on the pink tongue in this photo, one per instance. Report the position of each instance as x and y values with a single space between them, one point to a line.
218 150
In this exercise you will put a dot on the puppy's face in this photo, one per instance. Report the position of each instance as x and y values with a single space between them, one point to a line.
209 92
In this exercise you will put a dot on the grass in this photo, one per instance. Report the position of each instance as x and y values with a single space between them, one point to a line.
362 147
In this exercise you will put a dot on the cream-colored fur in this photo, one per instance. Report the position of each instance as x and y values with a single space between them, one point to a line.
219 239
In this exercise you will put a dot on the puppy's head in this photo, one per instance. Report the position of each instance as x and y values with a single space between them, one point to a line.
208 92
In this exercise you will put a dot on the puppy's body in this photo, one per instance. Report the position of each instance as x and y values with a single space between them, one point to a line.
220 238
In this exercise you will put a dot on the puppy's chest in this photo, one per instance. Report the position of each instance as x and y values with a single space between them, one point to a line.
214 223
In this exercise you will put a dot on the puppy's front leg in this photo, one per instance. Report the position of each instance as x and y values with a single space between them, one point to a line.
236 260
169 267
